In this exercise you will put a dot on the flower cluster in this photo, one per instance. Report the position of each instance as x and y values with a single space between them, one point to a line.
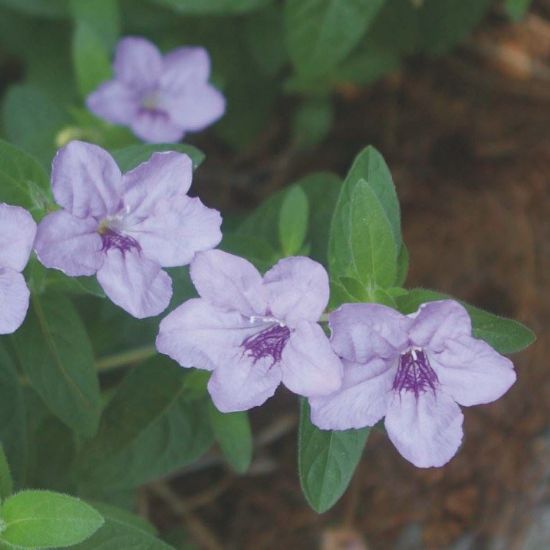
252 332
255 333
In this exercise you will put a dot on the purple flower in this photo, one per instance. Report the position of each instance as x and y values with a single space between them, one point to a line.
17 231
254 332
415 370
124 227
159 97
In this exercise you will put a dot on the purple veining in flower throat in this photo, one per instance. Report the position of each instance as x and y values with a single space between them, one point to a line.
112 239
254 332
267 343
124 228
414 373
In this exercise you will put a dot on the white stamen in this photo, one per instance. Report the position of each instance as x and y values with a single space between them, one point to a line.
265 319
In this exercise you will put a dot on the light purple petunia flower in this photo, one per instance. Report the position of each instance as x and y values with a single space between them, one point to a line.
17 232
124 227
415 370
159 97
254 332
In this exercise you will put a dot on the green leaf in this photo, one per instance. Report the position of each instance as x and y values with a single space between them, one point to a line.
55 353
322 191
131 156
365 234
369 165
293 220
12 416
504 335
232 432
95 33
321 33
137 404
32 119
516 9
312 121
6 481
211 7
149 428
326 460
43 519
263 33
42 8
41 279
91 58
402 265
122 530
22 180
444 23
256 250
52 448
372 245
100 15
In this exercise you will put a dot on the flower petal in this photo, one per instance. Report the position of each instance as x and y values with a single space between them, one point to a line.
361 401
297 289
241 383
361 332
156 127
198 334
472 372
86 180
183 67
138 62
437 322
308 364
177 231
17 233
162 177
229 282
427 430
114 101
196 108
69 244
14 300
135 283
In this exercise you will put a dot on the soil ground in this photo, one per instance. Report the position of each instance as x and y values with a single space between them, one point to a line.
468 141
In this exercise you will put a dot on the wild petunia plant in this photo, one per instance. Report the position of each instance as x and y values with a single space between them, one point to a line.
408 356
131 280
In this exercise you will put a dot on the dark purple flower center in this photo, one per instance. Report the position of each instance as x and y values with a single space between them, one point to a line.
270 342
151 103
414 373
112 239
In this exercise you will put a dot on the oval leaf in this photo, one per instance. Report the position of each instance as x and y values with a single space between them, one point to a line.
326 460
122 530
320 33
43 519
233 434
293 220
55 353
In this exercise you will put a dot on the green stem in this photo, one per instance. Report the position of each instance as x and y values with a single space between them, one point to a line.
125 358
